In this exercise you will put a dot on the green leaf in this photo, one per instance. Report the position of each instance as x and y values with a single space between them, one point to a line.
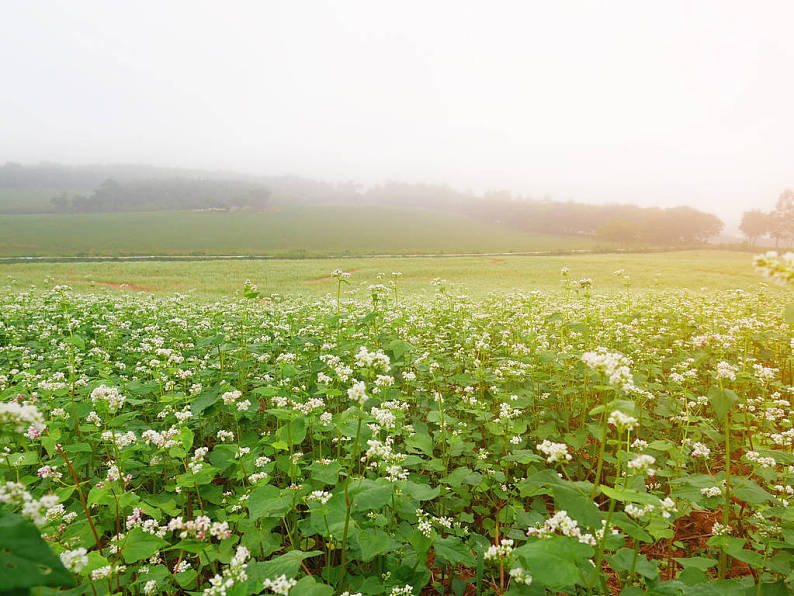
554 562
308 586
701 563
626 495
267 501
78 341
99 495
186 438
580 507
141 545
623 560
212 340
373 543
420 442
286 564
421 544
422 492
373 496
399 347
325 473
25 559
185 578
204 401
749 491
453 551
722 400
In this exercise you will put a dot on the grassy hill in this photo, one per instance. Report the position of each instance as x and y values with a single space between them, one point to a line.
285 231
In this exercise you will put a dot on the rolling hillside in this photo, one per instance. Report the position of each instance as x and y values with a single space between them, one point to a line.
285 231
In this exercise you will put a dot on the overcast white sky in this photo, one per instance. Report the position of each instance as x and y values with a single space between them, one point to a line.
632 101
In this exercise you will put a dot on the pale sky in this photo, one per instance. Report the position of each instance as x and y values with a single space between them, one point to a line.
658 103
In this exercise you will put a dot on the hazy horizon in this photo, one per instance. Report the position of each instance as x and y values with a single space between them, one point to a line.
628 103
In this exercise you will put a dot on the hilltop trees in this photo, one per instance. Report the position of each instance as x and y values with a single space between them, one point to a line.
779 223
674 226
166 194
783 218
755 224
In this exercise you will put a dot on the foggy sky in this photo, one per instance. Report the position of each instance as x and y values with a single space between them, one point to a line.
658 103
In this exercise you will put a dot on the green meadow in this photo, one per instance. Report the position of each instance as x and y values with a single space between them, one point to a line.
693 270
284 231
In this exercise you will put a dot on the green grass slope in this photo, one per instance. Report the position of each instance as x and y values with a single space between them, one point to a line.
286 231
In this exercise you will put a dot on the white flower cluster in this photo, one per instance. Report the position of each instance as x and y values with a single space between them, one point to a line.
114 473
666 508
340 275
757 458
320 496
49 472
425 523
358 392
560 523
711 491
197 460
726 370
25 417
225 435
700 450
163 440
642 464
121 440
106 571
499 551
279 585
75 560
506 412
621 421
110 396
39 511
779 269
335 363
613 365
234 574
233 398
199 528
374 360
381 454
554 452
719 529
384 417
520 576
312 404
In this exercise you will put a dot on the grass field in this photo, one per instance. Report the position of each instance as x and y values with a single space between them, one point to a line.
287 231
476 275
13 201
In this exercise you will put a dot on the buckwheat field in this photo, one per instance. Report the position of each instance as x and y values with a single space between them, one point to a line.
519 443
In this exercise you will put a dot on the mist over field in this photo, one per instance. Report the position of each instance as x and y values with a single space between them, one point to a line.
656 105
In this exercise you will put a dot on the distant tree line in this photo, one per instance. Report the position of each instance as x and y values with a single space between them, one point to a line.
83 180
624 224
777 224
105 188
164 194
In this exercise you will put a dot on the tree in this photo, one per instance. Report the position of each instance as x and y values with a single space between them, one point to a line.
60 202
622 231
783 217
755 224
